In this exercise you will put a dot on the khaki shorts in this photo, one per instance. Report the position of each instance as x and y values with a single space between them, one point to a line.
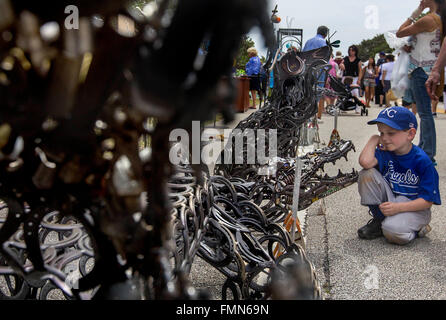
369 83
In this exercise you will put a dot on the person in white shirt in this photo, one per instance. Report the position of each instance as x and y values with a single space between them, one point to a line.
428 31
386 74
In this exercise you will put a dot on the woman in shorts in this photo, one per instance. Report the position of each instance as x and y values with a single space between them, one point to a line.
369 75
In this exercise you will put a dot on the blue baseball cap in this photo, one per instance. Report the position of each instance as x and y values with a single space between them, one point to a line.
398 118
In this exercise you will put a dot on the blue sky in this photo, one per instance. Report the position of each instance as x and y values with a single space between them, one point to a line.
354 20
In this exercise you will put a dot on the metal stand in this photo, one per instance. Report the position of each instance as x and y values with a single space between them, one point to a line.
296 197
290 35
215 125
336 119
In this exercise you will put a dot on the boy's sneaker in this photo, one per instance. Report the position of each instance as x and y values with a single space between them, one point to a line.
424 230
371 230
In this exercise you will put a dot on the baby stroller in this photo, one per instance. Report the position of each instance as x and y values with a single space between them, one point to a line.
346 101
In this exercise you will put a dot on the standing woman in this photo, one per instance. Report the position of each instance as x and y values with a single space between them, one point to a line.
427 35
352 68
333 72
253 71
369 75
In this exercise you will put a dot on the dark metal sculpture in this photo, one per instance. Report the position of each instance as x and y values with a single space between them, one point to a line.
246 246
74 185
85 212
293 102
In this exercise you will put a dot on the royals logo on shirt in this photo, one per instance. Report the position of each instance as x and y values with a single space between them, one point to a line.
412 175
404 183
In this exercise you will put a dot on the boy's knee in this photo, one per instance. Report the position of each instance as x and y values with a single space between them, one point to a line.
368 181
398 238
395 232
367 175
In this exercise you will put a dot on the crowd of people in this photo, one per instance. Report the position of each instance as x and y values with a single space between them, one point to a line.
369 79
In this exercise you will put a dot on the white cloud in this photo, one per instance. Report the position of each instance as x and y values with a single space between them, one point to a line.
347 17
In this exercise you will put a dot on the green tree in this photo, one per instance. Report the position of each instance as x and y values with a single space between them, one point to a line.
242 57
139 3
369 48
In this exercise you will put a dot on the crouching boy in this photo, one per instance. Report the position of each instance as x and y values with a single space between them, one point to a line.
399 182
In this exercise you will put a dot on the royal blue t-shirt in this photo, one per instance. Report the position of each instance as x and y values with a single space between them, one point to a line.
412 175
253 66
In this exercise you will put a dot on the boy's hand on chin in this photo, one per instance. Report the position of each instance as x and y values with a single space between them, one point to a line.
389 208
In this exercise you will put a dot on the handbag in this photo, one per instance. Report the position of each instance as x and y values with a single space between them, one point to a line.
440 87
400 77
390 96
